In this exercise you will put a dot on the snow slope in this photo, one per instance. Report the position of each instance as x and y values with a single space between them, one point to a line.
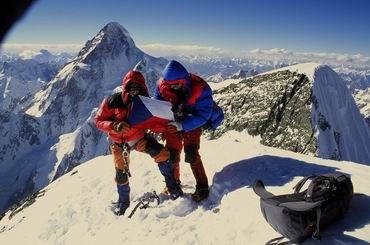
75 208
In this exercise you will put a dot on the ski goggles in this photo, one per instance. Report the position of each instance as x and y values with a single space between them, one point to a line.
133 87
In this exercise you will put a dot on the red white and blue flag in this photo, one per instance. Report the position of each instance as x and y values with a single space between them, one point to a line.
149 113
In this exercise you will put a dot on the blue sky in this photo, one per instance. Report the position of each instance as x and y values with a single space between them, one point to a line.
297 25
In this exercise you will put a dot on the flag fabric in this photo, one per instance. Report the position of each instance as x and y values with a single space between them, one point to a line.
149 113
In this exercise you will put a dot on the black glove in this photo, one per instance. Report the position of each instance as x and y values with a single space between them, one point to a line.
121 127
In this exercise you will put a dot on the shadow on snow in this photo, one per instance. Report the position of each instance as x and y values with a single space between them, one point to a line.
278 171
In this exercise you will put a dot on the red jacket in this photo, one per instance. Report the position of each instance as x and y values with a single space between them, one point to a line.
117 107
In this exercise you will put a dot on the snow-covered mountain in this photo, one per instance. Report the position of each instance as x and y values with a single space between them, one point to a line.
240 74
56 131
216 78
358 81
356 78
4 56
362 98
21 78
216 69
75 208
304 108
243 74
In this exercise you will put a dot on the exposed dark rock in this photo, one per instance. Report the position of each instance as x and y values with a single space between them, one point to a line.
274 106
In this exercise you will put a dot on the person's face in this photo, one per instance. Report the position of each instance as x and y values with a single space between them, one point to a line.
134 89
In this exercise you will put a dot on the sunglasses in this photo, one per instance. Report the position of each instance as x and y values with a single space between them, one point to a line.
176 86
134 89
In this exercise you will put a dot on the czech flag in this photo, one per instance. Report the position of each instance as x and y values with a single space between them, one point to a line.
149 113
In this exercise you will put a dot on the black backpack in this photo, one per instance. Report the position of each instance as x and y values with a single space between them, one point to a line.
303 214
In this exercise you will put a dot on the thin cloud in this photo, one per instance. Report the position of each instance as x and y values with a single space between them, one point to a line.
322 57
273 51
159 49
17 48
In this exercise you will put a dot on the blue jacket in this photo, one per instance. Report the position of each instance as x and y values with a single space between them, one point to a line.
196 105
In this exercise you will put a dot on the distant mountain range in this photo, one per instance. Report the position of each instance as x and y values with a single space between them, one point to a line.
22 76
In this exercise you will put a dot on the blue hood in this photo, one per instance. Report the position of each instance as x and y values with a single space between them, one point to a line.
175 71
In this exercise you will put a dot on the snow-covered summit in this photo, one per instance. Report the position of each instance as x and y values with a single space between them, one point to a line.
111 40
75 208
305 68
115 29
96 71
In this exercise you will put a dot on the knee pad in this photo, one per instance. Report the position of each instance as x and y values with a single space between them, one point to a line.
153 148
191 152
121 177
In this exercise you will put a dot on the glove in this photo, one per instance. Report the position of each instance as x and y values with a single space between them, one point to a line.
174 127
121 127
177 111
178 114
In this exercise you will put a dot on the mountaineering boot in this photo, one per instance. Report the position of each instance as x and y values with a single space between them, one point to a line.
201 193
173 187
123 199
165 189
201 188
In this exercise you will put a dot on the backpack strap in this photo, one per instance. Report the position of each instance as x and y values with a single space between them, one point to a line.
277 241
301 183
316 234
259 189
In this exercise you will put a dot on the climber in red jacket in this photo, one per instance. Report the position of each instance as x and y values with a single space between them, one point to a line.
112 119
